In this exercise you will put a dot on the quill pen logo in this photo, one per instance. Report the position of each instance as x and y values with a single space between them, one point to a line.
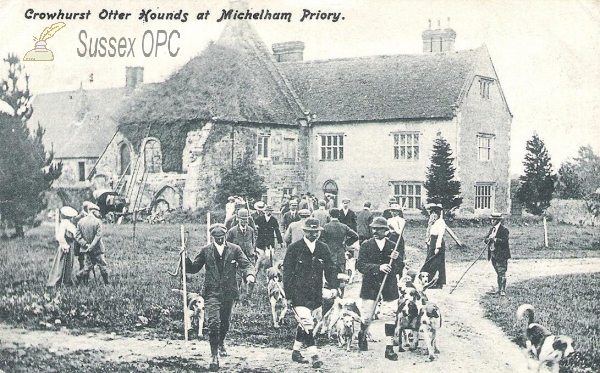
40 52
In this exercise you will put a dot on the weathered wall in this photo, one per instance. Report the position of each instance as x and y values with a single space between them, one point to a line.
369 168
488 116
70 173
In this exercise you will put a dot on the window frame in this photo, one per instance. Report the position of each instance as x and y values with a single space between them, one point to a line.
263 142
484 87
480 199
285 149
81 170
408 197
490 149
156 161
331 147
397 146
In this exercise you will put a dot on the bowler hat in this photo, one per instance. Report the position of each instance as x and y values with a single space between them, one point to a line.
496 216
218 230
379 222
242 214
304 212
68 212
312 225
259 206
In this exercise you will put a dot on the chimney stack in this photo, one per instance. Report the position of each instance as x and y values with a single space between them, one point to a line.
134 76
439 40
288 51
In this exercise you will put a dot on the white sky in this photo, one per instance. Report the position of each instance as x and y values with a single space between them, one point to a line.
546 53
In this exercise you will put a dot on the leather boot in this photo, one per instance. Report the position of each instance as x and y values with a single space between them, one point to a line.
316 362
390 354
298 358
214 364
363 345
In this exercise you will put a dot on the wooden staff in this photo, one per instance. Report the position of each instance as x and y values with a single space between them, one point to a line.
185 308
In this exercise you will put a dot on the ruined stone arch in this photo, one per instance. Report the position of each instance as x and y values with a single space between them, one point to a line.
125 157
168 194
152 153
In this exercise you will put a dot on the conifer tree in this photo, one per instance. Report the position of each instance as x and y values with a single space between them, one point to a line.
26 169
537 184
440 184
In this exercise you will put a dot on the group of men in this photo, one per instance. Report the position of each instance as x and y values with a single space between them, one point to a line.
316 242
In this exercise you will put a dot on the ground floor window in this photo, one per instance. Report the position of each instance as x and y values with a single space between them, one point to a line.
408 194
484 196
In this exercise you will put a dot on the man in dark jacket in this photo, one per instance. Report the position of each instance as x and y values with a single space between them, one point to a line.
373 263
290 216
245 237
363 219
220 290
89 238
498 250
347 216
267 230
304 264
337 236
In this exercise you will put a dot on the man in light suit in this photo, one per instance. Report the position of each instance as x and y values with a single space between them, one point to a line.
498 250
220 290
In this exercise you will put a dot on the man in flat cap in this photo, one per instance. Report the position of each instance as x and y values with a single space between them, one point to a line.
498 250
220 290
89 237
347 216
305 263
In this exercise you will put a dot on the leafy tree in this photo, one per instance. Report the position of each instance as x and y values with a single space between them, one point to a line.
587 166
26 169
440 184
243 180
569 183
537 184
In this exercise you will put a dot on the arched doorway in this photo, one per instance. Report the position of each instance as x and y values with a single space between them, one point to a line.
330 192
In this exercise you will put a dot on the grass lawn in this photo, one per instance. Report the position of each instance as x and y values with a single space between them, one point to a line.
140 285
565 305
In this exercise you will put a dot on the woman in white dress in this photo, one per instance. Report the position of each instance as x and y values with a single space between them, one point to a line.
436 247
62 267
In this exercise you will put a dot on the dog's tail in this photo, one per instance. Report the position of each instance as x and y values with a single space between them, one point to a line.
526 309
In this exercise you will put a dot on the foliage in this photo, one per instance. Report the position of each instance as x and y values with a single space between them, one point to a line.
26 170
592 204
565 305
537 184
243 180
569 183
440 184
587 166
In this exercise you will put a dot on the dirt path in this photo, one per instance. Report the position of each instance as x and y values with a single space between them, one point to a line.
468 342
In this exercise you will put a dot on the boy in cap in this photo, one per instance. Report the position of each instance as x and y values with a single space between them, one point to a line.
305 263
89 237
373 262
498 250
220 291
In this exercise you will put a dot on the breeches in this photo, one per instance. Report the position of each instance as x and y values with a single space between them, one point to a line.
500 266
218 314
306 317
368 305
90 260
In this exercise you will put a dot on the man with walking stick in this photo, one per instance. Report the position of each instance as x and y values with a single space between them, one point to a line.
222 259
379 260
498 250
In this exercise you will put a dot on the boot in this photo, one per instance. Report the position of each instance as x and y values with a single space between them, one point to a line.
363 345
214 364
390 354
316 362
502 286
298 358
105 278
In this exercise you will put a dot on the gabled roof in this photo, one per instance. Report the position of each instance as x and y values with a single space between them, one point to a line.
416 86
234 80
78 124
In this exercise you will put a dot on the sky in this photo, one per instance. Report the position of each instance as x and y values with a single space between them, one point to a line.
546 53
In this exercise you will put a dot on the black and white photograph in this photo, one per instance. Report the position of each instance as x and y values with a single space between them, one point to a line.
257 186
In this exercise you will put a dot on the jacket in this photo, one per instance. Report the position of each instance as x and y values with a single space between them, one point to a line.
349 219
221 285
246 241
303 273
336 236
322 215
501 247
368 262
363 219
294 232
289 217
267 232
89 231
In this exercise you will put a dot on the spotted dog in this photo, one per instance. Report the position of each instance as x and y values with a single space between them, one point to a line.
195 310
430 321
276 294
542 345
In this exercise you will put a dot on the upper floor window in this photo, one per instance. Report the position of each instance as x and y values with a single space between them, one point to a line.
406 145
484 87
289 149
408 194
484 196
152 156
263 146
332 147
484 147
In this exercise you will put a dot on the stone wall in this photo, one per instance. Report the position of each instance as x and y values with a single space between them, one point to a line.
70 173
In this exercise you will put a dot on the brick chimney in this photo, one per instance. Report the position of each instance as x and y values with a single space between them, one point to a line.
134 76
439 40
288 51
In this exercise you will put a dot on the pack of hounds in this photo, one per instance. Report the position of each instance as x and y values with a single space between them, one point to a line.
417 318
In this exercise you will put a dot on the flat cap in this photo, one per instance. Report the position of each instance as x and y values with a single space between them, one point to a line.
218 230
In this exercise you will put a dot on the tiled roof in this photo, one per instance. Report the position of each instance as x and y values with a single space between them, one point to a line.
381 87
234 79
78 123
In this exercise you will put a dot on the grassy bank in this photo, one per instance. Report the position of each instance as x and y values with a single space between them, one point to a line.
565 305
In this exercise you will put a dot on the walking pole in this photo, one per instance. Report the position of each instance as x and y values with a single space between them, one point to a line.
185 308
472 264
